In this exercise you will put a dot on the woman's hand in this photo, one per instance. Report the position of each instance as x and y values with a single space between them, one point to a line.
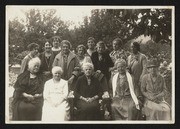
105 95
71 94
84 99
37 95
151 97
28 96
137 106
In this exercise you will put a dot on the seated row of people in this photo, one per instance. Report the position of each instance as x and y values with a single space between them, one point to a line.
34 100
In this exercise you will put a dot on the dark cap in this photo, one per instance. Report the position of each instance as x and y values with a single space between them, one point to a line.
152 63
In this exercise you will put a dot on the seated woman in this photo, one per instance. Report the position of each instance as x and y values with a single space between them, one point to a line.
28 100
87 94
124 101
154 89
56 107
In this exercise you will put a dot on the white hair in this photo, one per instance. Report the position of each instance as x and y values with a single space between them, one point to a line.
90 65
34 61
57 68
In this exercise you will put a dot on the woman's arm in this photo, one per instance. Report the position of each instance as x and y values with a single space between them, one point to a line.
46 93
23 65
143 89
164 90
144 71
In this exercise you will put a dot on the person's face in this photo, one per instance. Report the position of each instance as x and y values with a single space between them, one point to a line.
134 49
121 67
35 68
47 46
55 43
57 75
100 49
90 44
116 45
65 48
88 71
153 70
35 51
80 51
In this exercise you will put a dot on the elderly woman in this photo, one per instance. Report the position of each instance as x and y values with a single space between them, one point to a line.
56 45
91 46
67 61
56 107
137 66
28 100
154 89
124 101
47 58
33 48
87 94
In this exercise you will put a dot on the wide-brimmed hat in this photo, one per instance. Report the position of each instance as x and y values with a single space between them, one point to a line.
152 63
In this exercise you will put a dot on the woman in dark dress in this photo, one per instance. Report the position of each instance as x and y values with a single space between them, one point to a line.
87 94
101 60
47 58
27 97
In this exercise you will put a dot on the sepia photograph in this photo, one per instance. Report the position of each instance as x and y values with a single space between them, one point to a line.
90 64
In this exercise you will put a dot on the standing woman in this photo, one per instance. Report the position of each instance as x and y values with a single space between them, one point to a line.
118 52
33 48
47 58
56 107
101 60
81 55
56 45
154 89
68 61
87 94
28 100
91 46
137 66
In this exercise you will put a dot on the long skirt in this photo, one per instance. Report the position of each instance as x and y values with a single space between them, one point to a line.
55 114
123 108
88 111
27 111
155 111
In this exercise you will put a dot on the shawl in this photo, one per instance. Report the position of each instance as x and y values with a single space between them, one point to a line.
131 87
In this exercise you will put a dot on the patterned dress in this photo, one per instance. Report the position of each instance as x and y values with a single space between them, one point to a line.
122 102
156 109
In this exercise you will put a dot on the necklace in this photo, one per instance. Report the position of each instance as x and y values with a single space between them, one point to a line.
47 60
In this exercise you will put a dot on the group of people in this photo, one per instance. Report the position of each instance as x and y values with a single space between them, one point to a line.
127 84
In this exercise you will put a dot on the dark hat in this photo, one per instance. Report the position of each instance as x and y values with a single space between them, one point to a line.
152 63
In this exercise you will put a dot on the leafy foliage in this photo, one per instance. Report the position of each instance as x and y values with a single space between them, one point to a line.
103 24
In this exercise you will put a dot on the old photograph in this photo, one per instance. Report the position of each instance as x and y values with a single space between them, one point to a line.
90 64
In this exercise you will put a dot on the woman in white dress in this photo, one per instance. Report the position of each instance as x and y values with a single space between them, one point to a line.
56 107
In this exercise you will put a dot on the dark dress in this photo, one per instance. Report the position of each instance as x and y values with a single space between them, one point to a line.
87 111
103 65
22 108
46 65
